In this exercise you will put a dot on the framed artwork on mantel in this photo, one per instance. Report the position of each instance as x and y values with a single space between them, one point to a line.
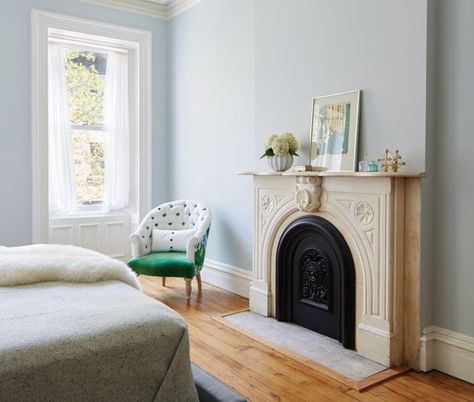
334 131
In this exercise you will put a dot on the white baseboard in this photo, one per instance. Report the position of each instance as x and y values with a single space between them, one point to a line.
233 279
447 351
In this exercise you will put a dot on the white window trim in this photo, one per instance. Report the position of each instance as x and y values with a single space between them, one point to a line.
41 23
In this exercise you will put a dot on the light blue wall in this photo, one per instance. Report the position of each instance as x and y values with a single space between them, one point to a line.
212 119
15 105
429 182
240 70
453 217
309 48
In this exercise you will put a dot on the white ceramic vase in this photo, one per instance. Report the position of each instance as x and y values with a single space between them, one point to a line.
279 163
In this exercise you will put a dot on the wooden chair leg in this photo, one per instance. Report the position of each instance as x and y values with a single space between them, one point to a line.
188 288
163 280
198 277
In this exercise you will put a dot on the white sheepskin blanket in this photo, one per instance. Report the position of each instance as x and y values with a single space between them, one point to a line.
48 263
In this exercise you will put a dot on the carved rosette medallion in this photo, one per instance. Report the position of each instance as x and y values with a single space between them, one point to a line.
364 212
308 193
268 203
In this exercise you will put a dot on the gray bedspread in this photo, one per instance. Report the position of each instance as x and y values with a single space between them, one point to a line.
103 341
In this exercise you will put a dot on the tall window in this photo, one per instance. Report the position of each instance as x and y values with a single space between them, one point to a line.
91 132
88 128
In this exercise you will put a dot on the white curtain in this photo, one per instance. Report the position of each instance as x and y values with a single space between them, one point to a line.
117 153
62 185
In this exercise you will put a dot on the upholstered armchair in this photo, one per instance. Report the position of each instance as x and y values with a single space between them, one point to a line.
171 241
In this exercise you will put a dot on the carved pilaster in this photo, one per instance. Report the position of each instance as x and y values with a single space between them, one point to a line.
308 193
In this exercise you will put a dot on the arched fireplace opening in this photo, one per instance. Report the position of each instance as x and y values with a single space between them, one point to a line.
315 279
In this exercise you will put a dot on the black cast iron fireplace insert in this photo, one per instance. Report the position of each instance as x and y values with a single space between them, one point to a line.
315 279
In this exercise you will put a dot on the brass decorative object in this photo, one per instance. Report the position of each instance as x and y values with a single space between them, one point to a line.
302 168
309 168
391 161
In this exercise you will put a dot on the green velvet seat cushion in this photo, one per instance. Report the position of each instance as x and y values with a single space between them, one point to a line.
169 263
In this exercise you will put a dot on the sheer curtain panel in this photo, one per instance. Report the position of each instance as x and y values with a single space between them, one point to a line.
116 114
62 189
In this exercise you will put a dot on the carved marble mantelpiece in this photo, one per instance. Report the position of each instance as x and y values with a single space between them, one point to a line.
379 216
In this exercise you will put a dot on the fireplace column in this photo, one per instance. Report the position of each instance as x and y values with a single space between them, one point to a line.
273 202
276 197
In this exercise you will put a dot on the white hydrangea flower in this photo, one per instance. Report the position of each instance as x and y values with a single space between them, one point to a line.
269 141
292 141
280 146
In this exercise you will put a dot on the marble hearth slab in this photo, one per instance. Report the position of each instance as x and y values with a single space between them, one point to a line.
308 344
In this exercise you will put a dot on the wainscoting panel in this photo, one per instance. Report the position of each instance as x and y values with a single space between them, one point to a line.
107 234
89 236
62 234
115 244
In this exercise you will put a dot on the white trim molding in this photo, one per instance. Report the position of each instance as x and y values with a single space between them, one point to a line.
447 351
150 8
228 277
43 23
179 6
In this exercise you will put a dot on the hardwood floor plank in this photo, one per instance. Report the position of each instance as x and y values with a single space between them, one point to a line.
453 385
260 358
416 382
245 384
261 373
387 393
381 377
255 350
366 396
250 355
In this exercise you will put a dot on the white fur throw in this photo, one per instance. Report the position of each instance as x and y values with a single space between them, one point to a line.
47 263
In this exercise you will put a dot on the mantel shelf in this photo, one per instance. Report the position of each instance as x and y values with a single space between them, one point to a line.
332 174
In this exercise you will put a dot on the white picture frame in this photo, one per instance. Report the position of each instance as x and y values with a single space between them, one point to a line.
334 131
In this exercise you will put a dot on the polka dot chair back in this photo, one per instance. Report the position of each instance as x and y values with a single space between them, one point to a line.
174 215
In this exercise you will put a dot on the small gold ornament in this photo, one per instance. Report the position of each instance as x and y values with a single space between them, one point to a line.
302 168
391 161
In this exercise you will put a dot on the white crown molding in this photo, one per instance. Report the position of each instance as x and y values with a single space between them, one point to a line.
135 6
179 6
228 277
148 8
447 351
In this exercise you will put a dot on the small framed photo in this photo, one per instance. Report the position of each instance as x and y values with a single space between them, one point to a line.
334 131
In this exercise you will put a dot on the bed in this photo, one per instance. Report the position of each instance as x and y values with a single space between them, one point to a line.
75 327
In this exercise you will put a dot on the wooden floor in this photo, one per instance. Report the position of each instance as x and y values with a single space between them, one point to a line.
262 374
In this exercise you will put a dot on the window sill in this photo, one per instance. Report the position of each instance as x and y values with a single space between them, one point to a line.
92 213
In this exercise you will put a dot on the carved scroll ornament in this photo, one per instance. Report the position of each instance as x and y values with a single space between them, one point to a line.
308 193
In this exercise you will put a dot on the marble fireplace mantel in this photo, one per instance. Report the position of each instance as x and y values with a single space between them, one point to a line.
379 216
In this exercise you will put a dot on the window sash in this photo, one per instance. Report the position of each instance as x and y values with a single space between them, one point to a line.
88 127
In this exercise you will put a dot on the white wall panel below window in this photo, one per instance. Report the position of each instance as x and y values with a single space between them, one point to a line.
107 234
62 234
89 236
116 244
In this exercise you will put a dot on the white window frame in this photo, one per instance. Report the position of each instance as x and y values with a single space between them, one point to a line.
42 22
